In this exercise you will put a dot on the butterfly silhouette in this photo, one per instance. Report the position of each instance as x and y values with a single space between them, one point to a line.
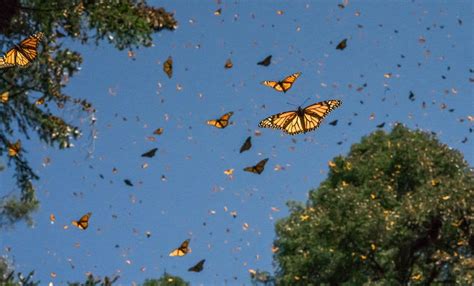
257 169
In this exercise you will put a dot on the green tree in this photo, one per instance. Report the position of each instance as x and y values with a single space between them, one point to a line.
31 97
166 280
95 281
8 277
397 210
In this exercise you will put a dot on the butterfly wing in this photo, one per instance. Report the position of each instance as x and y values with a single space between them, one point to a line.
198 267
287 82
315 113
247 144
222 122
280 120
83 222
266 61
168 67
273 84
257 169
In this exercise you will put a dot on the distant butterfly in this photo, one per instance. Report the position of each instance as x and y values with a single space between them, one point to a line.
283 85
4 97
381 125
266 61
301 120
342 45
168 67
333 123
83 222
247 144
228 64
158 131
257 169
40 101
221 122
23 53
14 149
182 250
128 182
150 154
198 267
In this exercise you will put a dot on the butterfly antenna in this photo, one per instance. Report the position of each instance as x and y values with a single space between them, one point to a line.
305 101
292 104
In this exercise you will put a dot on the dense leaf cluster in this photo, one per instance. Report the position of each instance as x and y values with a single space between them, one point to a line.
397 210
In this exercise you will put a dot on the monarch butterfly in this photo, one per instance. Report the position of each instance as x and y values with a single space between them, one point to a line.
158 131
14 149
247 144
283 85
266 61
23 53
150 154
221 122
83 222
168 67
301 120
198 266
257 169
342 45
228 64
182 250
4 97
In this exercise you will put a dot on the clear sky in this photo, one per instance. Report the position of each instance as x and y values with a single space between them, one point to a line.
393 48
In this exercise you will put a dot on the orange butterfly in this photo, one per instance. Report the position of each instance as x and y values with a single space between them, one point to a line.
301 120
83 222
168 67
283 85
221 122
14 149
182 250
23 53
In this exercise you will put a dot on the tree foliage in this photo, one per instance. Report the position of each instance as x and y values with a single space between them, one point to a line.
166 280
32 97
8 277
397 210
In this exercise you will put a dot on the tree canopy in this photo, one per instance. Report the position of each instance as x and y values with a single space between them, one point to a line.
31 98
396 210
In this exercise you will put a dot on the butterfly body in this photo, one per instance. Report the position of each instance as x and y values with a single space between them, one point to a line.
284 85
301 120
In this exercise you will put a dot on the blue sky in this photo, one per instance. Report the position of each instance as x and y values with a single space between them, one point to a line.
428 40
